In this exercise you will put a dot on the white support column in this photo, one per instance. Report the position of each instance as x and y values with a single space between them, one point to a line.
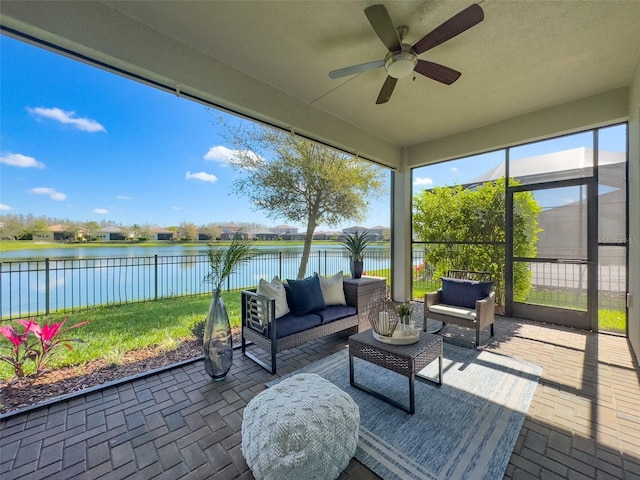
633 317
401 232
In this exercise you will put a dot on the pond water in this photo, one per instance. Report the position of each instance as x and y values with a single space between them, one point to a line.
124 251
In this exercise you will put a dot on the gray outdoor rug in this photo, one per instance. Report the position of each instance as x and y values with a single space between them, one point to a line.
465 429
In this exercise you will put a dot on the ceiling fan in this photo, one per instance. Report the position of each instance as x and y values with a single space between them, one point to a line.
402 58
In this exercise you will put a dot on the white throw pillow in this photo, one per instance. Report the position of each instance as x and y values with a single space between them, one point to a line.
275 290
332 290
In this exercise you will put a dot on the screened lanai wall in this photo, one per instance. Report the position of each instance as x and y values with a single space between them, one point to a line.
560 172
599 110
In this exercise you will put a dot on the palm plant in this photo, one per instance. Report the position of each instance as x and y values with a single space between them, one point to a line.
224 261
355 243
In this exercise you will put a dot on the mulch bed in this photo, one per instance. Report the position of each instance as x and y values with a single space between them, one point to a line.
34 390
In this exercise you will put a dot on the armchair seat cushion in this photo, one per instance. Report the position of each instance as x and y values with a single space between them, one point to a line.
454 311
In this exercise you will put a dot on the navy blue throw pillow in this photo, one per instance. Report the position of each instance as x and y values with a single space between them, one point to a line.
463 293
306 295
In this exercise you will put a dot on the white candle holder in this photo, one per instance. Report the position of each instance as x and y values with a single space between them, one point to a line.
383 322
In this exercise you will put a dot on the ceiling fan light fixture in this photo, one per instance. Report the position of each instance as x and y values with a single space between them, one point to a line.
401 63
401 59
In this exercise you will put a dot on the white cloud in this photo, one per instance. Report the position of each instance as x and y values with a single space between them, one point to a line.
176 208
59 115
123 197
100 211
454 169
220 154
19 160
224 155
5 207
52 193
419 181
202 176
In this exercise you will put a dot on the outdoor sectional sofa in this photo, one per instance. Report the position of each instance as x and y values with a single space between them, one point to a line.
312 311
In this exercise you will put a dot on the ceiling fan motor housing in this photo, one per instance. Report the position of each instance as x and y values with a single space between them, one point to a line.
401 63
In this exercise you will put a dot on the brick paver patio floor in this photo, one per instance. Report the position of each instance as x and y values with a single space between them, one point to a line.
583 423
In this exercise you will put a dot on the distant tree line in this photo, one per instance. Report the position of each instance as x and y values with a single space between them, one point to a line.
30 227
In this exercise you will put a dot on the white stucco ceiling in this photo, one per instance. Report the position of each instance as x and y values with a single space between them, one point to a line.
270 59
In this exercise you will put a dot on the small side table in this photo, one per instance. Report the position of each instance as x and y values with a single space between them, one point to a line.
406 360
369 293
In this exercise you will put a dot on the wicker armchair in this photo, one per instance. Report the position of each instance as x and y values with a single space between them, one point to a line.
478 318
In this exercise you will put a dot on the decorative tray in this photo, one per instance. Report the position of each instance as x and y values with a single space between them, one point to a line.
398 338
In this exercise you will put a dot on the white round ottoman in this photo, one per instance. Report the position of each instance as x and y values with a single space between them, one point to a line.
303 428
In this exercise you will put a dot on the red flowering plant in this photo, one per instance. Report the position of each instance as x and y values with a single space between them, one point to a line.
421 271
19 352
38 346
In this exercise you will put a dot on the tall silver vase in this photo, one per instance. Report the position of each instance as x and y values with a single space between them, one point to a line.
218 349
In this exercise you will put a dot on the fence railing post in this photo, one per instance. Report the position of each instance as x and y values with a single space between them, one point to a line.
325 262
280 264
47 283
155 276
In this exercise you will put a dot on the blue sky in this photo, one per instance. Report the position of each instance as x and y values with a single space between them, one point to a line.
80 143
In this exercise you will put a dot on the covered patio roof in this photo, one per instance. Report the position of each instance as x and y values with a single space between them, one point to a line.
270 61
530 70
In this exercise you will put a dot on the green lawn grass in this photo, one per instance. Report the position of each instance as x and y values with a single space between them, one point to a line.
118 329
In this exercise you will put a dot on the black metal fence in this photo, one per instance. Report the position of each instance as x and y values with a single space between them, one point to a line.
40 287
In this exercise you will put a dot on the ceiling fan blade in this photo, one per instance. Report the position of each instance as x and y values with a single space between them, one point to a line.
383 25
386 90
353 69
437 72
467 18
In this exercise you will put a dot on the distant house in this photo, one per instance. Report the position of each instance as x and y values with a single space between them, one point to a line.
284 229
324 235
228 231
63 232
161 234
229 228
292 236
263 235
355 229
110 234
204 237
376 233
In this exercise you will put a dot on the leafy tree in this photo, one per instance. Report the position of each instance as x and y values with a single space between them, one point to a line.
12 228
472 224
71 231
93 229
290 177
144 232
188 231
213 230
37 228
